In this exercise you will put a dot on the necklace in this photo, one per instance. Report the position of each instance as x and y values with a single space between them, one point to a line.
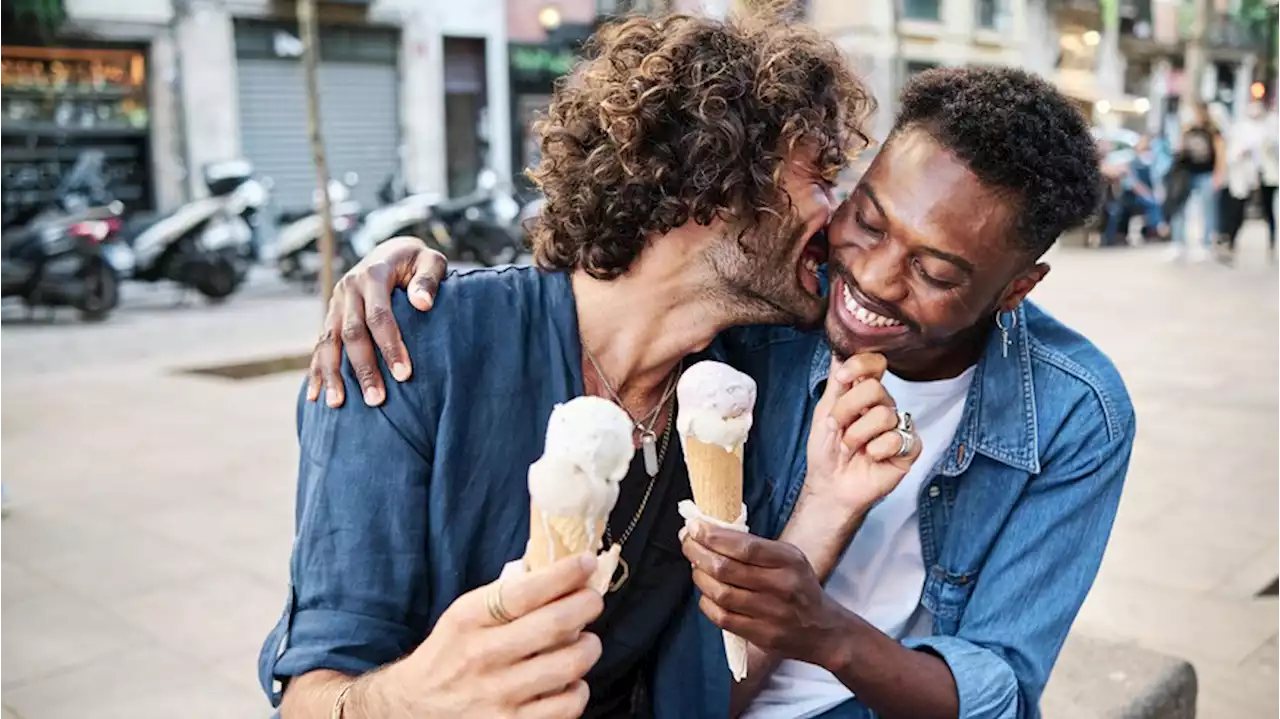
623 573
648 438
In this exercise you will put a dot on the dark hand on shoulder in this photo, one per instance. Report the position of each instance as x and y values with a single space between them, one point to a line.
360 318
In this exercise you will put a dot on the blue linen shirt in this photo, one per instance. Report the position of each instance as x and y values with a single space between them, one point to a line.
1014 518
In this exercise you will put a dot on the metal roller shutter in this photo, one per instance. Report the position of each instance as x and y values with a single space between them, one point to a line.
359 119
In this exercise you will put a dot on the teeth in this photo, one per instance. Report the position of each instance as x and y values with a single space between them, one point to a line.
810 265
864 315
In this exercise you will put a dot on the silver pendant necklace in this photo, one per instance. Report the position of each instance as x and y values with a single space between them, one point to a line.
648 438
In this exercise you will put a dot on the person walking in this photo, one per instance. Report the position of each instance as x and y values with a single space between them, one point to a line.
1253 165
1202 158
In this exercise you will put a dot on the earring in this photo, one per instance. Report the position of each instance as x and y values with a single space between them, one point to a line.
1004 331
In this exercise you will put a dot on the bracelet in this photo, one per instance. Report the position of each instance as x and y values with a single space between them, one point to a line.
341 700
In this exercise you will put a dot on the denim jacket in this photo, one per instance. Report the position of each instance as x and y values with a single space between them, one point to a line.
1013 519
404 507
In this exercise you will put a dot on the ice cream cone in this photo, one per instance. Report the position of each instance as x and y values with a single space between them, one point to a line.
716 402
552 538
716 478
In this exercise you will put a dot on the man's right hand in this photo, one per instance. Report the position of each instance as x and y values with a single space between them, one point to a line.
361 306
473 665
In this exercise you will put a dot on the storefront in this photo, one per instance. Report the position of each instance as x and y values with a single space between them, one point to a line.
534 69
359 108
60 100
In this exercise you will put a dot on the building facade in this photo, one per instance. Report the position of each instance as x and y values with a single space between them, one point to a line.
890 41
418 87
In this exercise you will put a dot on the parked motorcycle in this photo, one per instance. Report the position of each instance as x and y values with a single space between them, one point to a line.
54 255
206 244
298 239
482 226
401 213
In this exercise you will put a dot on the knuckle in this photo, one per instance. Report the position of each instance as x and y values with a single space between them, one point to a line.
352 332
884 416
718 566
327 339
581 694
380 317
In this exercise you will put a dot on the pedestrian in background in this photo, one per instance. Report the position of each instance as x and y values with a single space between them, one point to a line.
1201 160
1247 147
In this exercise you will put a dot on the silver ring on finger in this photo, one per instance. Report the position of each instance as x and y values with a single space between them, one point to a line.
905 423
493 602
908 442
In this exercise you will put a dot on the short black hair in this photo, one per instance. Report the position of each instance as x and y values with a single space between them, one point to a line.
1020 136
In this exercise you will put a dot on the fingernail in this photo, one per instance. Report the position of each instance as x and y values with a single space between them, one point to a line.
400 371
313 393
333 397
372 396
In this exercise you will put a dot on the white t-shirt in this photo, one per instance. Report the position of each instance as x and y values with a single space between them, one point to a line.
881 575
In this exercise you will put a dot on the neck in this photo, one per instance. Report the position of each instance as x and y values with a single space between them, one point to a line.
640 325
944 361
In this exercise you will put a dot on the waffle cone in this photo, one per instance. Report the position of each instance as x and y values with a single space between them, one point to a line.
716 478
552 537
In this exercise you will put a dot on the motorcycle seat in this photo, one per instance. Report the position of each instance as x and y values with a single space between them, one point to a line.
287 217
138 224
453 207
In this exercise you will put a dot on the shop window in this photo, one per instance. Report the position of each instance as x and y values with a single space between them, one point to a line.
987 14
929 10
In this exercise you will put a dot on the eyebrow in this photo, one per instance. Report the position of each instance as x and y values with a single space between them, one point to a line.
960 262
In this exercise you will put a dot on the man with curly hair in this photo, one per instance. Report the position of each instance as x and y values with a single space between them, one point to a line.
688 172
952 595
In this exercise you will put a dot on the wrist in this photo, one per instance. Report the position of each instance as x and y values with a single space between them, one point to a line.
834 652
830 511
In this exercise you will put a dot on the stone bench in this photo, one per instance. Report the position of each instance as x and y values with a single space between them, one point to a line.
1097 679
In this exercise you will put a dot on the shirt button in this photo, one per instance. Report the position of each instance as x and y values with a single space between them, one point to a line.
934 491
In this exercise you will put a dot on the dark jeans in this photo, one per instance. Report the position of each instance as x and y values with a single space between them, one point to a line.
1119 210
1231 214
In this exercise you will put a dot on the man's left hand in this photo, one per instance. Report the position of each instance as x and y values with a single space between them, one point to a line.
764 591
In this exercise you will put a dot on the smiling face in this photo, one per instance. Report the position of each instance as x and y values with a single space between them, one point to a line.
769 274
921 260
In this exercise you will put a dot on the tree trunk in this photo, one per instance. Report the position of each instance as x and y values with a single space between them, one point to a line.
310 58
1196 55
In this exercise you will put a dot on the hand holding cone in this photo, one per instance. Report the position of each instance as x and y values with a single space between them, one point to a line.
715 416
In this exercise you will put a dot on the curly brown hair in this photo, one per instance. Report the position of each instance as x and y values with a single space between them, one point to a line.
683 118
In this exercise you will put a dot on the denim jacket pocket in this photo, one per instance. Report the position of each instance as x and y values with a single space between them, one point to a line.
946 594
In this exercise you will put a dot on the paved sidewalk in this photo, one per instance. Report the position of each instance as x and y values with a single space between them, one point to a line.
145 556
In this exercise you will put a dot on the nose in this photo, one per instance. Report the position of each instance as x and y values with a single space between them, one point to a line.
884 268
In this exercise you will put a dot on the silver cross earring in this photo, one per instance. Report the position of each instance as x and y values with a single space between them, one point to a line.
1004 331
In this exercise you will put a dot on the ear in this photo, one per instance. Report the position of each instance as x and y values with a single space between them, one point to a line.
1021 285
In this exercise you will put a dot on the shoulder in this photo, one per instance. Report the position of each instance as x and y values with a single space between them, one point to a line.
478 306
1079 391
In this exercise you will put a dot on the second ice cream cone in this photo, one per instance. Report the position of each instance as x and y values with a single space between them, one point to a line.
715 475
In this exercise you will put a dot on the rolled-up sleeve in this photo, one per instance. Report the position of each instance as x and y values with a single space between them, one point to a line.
358 571
1035 580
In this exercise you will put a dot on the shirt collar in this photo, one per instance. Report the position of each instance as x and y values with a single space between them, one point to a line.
999 418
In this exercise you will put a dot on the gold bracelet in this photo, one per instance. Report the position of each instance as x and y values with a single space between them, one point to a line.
341 701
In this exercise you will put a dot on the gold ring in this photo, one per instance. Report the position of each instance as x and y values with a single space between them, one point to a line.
493 602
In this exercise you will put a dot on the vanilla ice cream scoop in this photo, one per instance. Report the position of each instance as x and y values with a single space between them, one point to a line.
595 433
587 453
716 401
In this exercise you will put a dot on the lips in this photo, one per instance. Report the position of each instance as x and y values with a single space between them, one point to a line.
811 258
864 315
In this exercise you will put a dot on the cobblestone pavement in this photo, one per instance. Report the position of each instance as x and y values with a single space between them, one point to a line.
145 554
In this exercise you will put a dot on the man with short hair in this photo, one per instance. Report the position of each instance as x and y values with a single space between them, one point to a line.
951 596
687 172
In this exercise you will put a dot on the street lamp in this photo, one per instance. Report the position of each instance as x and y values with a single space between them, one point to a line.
549 18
